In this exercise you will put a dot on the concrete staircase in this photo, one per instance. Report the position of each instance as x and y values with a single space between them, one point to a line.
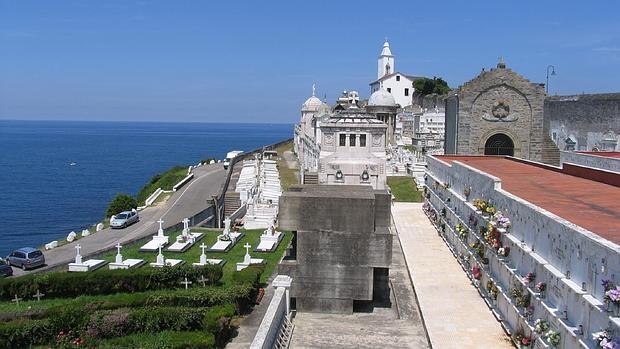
550 151
232 202
311 178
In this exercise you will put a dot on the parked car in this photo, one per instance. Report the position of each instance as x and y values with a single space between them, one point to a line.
26 258
124 219
5 269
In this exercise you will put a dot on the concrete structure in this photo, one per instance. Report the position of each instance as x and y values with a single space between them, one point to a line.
608 161
497 113
584 122
341 248
429 132
275 328
396 83
352 150
563 230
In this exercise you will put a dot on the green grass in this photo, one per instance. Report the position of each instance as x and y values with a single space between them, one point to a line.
288 176
404 189
165 181
233 256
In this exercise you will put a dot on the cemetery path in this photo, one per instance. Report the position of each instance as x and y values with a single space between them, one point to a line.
454 313
189 200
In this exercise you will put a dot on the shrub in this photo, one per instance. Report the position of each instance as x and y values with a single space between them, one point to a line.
24 333
162 340
251 274
108 324
122 202
102 282
217 321
157 319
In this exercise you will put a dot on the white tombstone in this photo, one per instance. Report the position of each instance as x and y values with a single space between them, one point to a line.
99 227
203 256
160 231
247 259
71 237
85 232
161 260
119 257
78 257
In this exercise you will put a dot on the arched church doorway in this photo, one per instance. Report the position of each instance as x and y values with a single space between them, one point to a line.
499 144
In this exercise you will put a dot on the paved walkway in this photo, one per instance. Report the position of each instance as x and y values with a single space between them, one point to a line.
397 325
189 200
454 313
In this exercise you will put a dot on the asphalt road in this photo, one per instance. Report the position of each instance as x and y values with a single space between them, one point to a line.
189 200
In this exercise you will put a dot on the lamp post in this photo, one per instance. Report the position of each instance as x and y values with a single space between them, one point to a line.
552 73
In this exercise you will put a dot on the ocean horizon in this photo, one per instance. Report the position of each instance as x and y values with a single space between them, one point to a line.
45 197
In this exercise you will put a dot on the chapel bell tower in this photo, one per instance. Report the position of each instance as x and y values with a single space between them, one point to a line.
386 61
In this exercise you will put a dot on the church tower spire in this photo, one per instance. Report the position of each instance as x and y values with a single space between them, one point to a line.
386 61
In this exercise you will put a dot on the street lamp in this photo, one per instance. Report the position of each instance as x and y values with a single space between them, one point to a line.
552 73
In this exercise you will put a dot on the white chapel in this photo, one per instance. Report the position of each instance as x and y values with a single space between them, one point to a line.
398 84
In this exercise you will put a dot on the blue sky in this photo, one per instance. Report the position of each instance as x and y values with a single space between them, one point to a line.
255 61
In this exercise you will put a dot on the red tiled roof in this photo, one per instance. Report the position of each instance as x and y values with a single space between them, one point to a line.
606 154
587 203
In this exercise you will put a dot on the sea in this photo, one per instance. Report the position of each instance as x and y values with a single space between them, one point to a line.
59 176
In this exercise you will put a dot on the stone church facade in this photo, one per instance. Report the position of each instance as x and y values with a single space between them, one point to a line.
497 113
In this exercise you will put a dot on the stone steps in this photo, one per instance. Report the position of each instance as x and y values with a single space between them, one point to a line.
311 178
550 151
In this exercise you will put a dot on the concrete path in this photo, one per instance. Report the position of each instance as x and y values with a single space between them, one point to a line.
189 200
397 325
454 313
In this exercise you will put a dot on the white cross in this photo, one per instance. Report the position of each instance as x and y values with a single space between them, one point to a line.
118 248
78 248
38 295
186 222
160 221
203 247
203 280
16 300
247 248
186 283
159 249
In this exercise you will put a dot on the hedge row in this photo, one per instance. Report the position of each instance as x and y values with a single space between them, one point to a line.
102 282
79 324
162 340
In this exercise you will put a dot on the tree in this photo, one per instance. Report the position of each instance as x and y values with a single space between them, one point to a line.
426 86
122 202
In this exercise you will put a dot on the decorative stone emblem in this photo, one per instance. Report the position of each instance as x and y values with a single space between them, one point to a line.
329 138
376 140
501 109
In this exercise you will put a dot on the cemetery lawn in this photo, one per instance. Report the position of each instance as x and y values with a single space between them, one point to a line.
192 255
404 189
165 180
288 176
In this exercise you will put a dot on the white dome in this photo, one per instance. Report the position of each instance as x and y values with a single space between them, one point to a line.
312 104
381 98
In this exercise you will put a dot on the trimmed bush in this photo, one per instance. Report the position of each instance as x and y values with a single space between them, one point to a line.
102 282
24 333
251 274
217 321
162 340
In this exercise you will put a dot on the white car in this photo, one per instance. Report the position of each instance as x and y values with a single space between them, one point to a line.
124 219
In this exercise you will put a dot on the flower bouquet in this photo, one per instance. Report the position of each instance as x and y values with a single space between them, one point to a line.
475 272
523 301
602 338
541 326
529 277
504 251
516 292
541 287
553 338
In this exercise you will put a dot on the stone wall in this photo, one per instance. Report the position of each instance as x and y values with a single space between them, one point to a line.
342 236
590 160
571 260
589 120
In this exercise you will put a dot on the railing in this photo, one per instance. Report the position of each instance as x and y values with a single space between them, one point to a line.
276 329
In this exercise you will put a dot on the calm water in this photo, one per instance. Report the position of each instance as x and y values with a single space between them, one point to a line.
43 198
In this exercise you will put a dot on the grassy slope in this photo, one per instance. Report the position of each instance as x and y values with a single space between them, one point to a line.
404 189
165 181
288 176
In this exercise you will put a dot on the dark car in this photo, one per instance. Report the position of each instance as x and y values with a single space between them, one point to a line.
26 258
5 269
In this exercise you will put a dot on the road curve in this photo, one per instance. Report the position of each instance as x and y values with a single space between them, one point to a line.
189 200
